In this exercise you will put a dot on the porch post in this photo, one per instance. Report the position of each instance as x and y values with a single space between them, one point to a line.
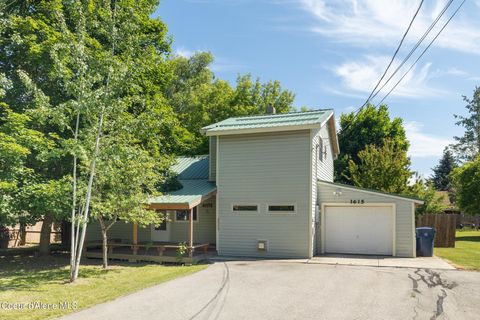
135 238
190 234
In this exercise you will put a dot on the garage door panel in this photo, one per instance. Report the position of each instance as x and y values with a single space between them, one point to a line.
359 230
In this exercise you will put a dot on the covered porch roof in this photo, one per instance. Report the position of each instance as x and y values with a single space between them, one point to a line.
193 176
191 195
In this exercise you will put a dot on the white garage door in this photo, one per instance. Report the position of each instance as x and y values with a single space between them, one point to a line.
359 230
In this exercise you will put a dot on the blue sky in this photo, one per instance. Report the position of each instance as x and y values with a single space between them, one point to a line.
332 53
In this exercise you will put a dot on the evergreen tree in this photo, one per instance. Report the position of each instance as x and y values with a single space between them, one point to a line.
441 173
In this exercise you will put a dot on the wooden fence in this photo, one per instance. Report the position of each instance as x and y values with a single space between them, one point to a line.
445 227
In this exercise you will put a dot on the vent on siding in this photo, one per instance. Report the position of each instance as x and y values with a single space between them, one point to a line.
262 245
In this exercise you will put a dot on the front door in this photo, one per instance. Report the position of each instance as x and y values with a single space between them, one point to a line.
162 232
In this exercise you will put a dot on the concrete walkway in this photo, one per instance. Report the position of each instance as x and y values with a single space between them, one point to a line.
383 261
298 290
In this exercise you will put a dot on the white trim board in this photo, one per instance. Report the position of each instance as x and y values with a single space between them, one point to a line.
378 193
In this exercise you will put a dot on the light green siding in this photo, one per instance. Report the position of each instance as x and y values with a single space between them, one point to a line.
404 223
212 159
203 229
120 230
322 168
264 169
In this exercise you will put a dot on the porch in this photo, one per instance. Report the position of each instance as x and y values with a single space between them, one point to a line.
160 252
189 222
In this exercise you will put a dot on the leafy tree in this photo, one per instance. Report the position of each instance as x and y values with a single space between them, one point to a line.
371 126
466 180
468 146
124 181
385 168
22 190
199 99
66 62
441 179
426 192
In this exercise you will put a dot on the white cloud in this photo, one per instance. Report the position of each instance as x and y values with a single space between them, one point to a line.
383 22
219 64
474 78
423 144
186 53
362 76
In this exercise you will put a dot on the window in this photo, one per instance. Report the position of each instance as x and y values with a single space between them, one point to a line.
321 150
245 207
163 225
281 208
184 215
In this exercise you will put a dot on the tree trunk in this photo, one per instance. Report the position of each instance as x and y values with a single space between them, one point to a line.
23 234
104 249
44 247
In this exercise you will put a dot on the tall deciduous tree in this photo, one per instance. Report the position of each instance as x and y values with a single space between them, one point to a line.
67 61
441 173
370 127
199 99
466 180
385 168
468 146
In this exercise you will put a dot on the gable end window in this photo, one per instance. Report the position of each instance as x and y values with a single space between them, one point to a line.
244 208
184 215
281 208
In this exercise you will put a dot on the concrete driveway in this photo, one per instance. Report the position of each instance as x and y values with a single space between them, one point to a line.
299 290
383 261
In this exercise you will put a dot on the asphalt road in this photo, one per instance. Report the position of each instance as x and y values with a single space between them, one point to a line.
295 290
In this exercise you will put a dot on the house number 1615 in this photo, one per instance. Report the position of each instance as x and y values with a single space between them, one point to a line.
357 201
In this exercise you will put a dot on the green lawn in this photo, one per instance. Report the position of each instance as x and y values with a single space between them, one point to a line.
466 253
26 279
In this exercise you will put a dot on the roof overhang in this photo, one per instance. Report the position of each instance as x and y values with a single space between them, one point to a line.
378 193
332 130
213 132
181 205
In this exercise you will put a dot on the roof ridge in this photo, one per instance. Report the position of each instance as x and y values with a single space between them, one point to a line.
280 114
370 190
257 123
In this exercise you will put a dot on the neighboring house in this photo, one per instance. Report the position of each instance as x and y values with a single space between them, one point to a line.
450 207
266 190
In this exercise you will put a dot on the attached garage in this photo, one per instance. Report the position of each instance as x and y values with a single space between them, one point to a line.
359 230
362 221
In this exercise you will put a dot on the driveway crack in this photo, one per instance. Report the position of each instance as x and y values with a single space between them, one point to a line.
439 310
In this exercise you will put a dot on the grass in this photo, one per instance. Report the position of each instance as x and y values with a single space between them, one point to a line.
466 254
26 279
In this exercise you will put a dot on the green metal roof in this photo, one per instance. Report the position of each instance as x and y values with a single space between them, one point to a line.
342 185
193 175
189 168
192 191
294 119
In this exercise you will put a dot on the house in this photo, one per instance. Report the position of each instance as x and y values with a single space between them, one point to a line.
450 207
266 190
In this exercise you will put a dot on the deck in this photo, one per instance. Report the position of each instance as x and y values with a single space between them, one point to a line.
149 253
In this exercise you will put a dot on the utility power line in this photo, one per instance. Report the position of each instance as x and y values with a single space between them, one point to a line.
423 52
395 54
391 61
419 42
